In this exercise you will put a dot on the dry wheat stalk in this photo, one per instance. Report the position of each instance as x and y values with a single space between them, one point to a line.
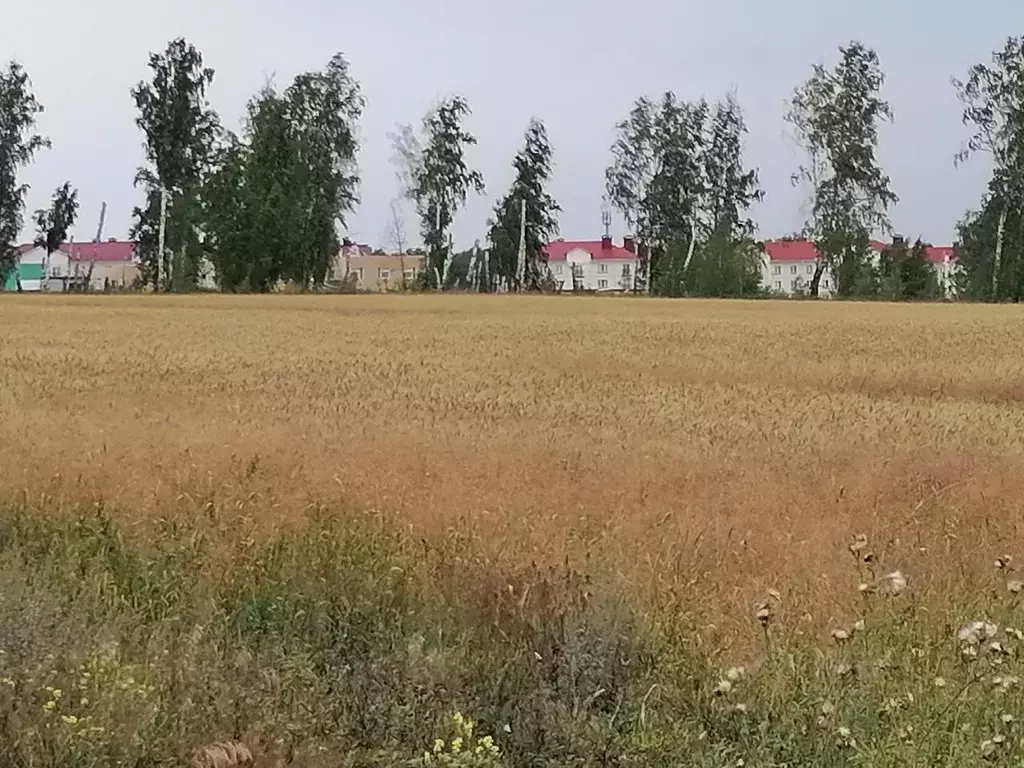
223 754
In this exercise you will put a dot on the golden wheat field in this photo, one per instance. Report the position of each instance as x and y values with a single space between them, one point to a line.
696 453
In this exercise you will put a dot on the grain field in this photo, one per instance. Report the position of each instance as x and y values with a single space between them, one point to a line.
696 453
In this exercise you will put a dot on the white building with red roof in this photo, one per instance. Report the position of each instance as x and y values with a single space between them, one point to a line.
592 265
109 263
789 265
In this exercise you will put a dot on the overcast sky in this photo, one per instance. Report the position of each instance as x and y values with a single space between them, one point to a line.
577 64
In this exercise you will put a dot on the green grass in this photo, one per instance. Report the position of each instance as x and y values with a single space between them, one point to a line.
345 644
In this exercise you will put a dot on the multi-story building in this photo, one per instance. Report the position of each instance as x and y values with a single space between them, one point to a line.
788 266
94 265
366 270
592 265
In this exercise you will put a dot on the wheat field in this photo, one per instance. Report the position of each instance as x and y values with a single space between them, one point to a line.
695 453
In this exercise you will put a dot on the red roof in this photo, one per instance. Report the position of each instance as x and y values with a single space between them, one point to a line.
110 250
804 250
598 250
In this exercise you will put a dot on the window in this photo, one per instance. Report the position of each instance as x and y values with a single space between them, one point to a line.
778 285
558 269
825 284
776 270
810 269
577 270
602 283
793 284
792 269
627 270
409 274
359 273
384 273
603 269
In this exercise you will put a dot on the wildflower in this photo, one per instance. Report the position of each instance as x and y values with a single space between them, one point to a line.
69 719
976 631
858 626
740 709
896 583
844 669
1003 563
50 706
844 731
457 744
7 681
939 682
864 588
763 613
57 693
507 728
723 687
828 709
733 674
83 701
1014 633
1007 719
438 746
840 635
988 748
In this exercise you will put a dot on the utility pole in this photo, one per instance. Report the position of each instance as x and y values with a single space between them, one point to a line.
160 237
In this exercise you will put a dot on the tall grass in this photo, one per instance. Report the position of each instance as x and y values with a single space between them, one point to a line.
329 646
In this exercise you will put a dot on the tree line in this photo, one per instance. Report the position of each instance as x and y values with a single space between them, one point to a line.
266 203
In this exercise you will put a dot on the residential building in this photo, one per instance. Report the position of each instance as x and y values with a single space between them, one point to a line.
107 264
375 272
592 265
788 266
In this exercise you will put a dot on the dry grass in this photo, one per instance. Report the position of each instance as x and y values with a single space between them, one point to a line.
698 452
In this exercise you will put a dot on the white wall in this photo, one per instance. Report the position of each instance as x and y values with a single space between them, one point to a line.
596 274
788 277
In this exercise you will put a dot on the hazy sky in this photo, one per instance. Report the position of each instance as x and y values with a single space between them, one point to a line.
577 64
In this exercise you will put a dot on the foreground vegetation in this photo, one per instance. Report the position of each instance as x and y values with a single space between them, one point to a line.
326 647
608 532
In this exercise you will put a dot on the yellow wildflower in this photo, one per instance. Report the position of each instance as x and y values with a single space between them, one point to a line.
50 706
69 719
457 744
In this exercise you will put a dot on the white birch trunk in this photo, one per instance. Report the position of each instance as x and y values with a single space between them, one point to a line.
693 243
521 258
997 263
448 257
161 235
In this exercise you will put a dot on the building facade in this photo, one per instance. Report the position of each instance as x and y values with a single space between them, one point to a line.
362 270
592 265
788 266
93 266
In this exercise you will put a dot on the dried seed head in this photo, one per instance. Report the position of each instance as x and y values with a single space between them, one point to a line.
226 754
763 613
858 626
895 583
939 682
844 669
1015 586
734 674
1007 719
860 543
840 635
1003 563
723 687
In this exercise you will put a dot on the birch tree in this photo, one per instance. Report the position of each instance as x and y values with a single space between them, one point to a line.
992 95
53 223
19 143
836 116
180 129
438 179
526 218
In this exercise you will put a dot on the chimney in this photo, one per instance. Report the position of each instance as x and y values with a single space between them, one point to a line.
629 243
898 241
606 243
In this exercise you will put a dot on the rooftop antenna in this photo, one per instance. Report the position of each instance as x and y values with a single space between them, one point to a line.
606 219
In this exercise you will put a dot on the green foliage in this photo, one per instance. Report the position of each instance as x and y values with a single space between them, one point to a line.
836 116
905 274
18 145
678 179
993 105
53 223
437 179
345 642
278 195
180 130
533 166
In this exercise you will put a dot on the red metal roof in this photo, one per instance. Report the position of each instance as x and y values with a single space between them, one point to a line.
559 250
804 250
109 250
